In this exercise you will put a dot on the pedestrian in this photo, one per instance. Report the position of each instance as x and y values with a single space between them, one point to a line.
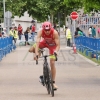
98 31
15 34
26 36
33 28
90 31
20 29
4 32
94 31
11 32
68 36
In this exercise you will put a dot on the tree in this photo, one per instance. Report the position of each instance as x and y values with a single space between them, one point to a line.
91 5
69 6
40 9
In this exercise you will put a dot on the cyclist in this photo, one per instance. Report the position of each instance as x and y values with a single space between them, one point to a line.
50 40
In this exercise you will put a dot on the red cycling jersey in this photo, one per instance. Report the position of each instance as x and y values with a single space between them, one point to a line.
48 41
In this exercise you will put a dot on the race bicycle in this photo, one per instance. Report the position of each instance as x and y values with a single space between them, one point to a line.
47 76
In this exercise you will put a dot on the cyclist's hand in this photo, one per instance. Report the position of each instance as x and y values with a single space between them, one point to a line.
37 59
55 53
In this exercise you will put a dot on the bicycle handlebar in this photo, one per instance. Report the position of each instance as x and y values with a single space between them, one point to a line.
55 56
45 56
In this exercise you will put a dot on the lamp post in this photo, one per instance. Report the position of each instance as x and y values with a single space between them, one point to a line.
4 13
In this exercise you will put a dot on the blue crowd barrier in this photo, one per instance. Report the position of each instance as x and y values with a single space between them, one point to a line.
89 44
6 46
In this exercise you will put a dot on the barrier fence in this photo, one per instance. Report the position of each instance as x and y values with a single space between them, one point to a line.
89 45
84 23
6 46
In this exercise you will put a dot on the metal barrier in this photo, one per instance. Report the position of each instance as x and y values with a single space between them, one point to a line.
84 23
89 45
6 46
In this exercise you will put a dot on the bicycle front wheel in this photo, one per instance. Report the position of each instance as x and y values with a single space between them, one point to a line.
46 79
50 82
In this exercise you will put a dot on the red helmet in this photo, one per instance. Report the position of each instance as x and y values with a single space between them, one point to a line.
46 26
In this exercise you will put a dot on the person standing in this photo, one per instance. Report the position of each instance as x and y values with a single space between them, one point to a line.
11 32
15 34
90 31
68 36
4 33
33 28
26 36
94 31
20 29
98 31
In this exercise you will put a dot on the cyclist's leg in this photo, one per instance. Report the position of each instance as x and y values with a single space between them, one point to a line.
32 49
52 64
53 71
41 45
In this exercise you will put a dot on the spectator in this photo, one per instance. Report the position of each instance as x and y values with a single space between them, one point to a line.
90 31
98 31
4 34
94 31
26 35
33 28
20 29
78 32
15 34
11 33
68 36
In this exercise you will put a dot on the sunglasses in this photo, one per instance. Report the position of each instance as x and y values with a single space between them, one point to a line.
47 30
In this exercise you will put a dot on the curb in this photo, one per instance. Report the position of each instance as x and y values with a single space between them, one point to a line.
88 60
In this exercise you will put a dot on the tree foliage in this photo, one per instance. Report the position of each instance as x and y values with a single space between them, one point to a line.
90 5
40 9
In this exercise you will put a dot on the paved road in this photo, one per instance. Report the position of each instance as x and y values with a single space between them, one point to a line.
77 78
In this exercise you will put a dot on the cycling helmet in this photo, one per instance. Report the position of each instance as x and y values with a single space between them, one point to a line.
46 26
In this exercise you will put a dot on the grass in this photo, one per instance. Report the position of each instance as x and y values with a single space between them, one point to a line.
89 57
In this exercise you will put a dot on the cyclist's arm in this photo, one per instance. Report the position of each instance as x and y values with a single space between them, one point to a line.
37 42
57 40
